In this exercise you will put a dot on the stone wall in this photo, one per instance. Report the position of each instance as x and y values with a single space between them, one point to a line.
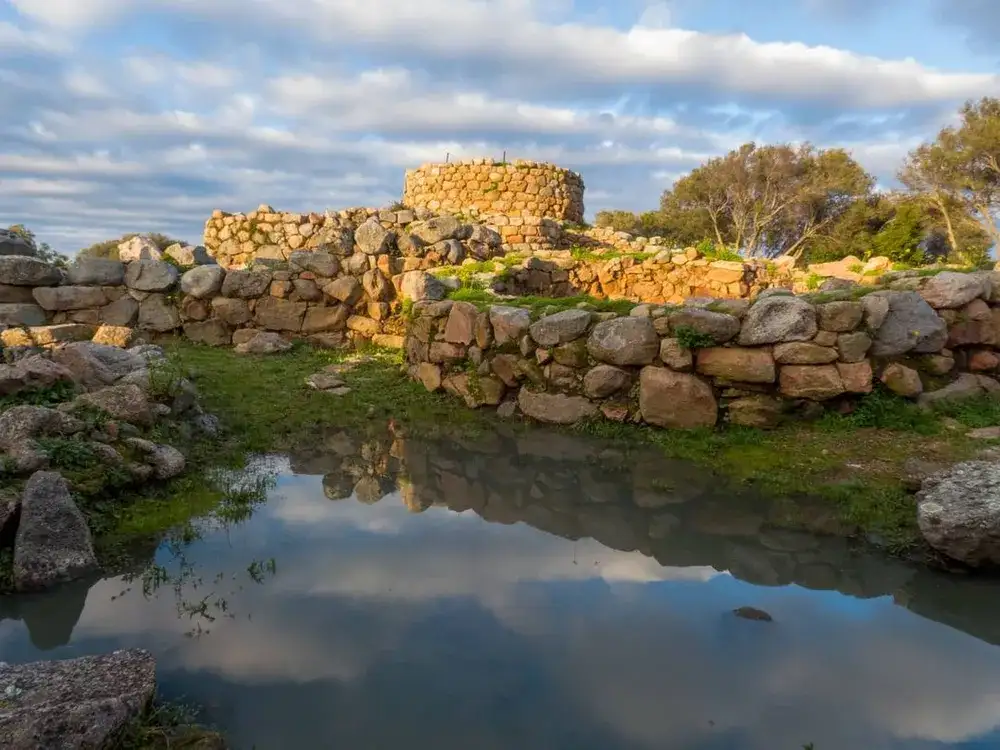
730 361
486 187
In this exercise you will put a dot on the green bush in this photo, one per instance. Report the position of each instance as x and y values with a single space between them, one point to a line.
109 248
691 338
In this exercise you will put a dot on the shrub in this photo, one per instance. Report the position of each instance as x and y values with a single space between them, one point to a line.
109 248
691 338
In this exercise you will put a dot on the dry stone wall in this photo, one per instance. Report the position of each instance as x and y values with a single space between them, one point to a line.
487 187
732 361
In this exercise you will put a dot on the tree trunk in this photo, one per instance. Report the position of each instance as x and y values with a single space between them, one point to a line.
952 242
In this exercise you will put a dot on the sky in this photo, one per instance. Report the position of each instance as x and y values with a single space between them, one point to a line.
145 115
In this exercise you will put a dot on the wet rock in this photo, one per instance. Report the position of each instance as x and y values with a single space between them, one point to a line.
958 511
264 342
676 400
75 703
910 324
21 270
96 272
555 408
624 341
737 364
949 289
774 320
203 282
902 380
752 613
560 327
167 461
53 542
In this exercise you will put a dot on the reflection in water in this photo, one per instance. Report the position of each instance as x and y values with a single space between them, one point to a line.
368 604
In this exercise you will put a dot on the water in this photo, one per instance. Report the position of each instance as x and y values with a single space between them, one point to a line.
536 591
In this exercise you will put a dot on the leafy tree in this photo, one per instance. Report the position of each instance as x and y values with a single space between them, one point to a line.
620 221
902 237
769 200
43 251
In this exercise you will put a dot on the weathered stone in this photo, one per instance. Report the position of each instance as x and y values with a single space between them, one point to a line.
675 400
322 319
125 402
720 326
20 270
212 332
231 310
121 312
151 276
346 289
675 356
114 336
856 376
363 326
475 391
12 243
430 375
15 314
420 285
16 294
910 325
262 342
560 327
275 314
70 297
555 408
949 289
815 382
188 255
203 282
306 290
96 272
53 542
737 364
32 373
964 387
774 320
372 238
982 360
840 317
157 314
509 323
47 335
442 351
321 264
246 284
139 247
876 310
604 380
958 511
756 411
902 380
377 286
624 341
167 461
461 325
437 229
853 347
804 353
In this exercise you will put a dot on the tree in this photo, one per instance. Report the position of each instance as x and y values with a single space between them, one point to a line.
43 251
960 170
769 200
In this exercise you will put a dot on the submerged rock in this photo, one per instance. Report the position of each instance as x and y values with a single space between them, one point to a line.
53 542
74 703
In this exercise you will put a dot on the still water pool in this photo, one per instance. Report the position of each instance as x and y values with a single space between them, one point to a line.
535 590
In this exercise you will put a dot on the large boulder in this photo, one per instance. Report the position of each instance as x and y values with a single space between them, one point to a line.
555 408
125 402
263 342
560 327
96 272
438 229
21 314
59 298
32 373
139 247
203 282
151 276
509 323
372 238
75 703
624 341
324 265
53 542
156 313
722 327
346 289
276 314
948 289
815 382
11 243
21 270
774 320
958 511
246 284
676 400
604 380
420 285
737 364
167 461
965 386
909 325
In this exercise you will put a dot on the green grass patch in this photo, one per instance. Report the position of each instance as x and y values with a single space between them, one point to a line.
170 725
47 396
691 338
467 273
539 306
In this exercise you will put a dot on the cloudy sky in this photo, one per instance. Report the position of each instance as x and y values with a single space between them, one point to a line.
142 115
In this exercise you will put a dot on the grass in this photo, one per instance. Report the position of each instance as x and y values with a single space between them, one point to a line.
585 254
690 338
539 306
172 725
47 396
467 272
